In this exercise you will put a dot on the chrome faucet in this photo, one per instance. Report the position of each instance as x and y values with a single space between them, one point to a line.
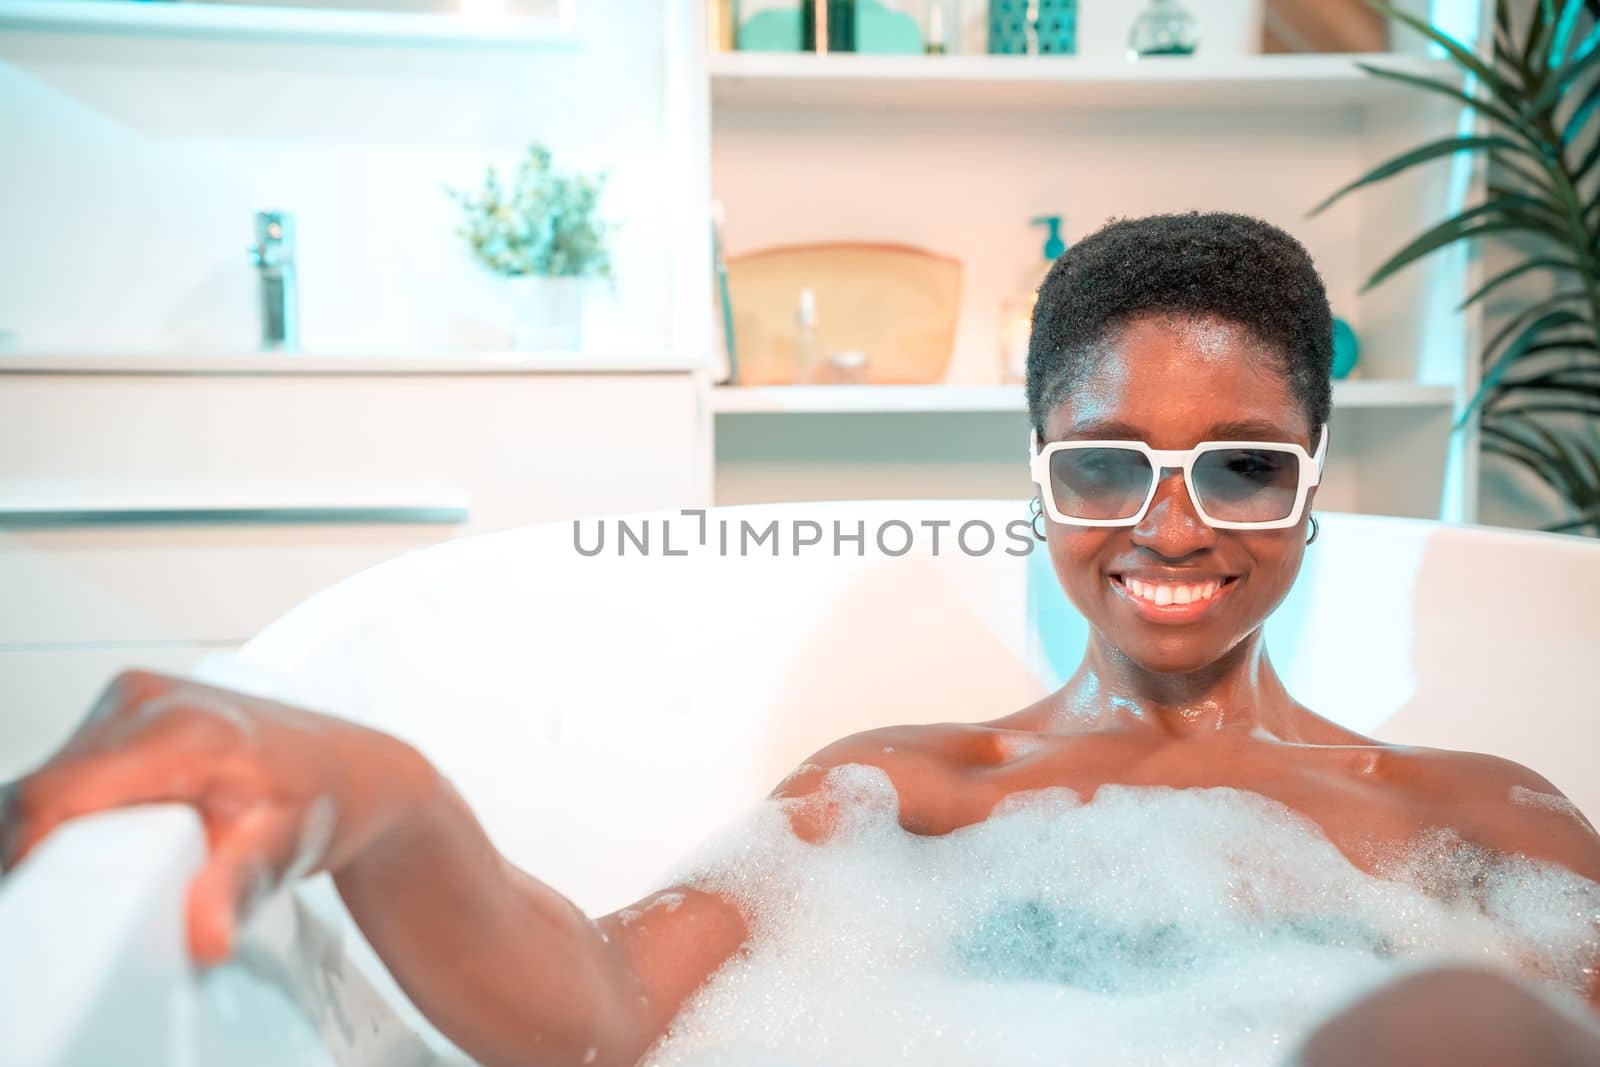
273 255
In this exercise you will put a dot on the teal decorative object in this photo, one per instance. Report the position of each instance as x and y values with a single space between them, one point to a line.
1021 27
771 31
1009 31
1057 28
1346 349
880 30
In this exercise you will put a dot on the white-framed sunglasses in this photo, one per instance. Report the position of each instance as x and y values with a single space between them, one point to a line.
1234 485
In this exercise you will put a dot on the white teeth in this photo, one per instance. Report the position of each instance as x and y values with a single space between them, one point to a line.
1163 593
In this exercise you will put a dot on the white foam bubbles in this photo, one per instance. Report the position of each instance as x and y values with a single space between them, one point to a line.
1533 798
1150 925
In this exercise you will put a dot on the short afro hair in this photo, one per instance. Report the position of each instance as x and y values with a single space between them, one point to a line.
1212 264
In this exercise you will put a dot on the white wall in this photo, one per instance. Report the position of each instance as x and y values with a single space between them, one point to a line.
134 165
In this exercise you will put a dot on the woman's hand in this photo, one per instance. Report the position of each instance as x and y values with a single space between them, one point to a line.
282 792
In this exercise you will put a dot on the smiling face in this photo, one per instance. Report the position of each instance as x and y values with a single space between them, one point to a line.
1174 383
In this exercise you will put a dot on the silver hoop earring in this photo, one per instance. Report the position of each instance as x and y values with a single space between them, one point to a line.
1038 513
1315 529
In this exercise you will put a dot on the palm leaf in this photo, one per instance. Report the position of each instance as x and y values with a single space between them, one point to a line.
1460 53
1504 276
1587 57
1520 399
1568 345
1564 378
1536 461
1535 181
1580 115
1544 357
1575 461
1528 385
1521 318
1588 164
1515 350
1540 215
1539 24
1543 451
1565 24
1434 150
1493 110
1504 49
1555 407
1460 227
1591 517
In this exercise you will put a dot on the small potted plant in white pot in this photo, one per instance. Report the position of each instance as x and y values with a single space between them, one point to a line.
542 234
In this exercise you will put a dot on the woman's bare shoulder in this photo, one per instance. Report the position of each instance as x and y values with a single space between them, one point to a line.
905 749
1507 806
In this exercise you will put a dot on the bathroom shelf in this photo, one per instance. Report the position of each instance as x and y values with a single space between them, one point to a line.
1269 82
293 23
977 399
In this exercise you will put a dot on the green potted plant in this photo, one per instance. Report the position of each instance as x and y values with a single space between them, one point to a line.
539 230
1539 101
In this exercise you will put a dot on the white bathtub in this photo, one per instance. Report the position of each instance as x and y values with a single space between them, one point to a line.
493 655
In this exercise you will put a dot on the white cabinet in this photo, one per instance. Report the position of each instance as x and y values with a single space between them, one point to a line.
151 510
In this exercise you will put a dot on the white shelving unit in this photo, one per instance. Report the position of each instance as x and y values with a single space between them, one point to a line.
1282 82
956 153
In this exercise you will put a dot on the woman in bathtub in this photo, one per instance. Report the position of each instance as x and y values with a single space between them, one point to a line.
1170 331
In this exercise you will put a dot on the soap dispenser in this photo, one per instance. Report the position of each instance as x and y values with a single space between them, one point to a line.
1016 312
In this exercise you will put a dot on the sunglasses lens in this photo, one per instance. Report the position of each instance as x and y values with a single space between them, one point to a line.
1247 484
1106 483
1099 483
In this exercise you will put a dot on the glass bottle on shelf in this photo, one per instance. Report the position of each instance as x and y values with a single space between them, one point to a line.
808 367
941 27
1163 28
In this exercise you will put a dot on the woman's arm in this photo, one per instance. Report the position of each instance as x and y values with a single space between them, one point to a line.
1454 1015
509 969
1508 807
501 963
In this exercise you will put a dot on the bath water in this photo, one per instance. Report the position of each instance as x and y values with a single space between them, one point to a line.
1147 926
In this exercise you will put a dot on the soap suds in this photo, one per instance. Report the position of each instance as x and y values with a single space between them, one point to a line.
1532 798
1151 925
